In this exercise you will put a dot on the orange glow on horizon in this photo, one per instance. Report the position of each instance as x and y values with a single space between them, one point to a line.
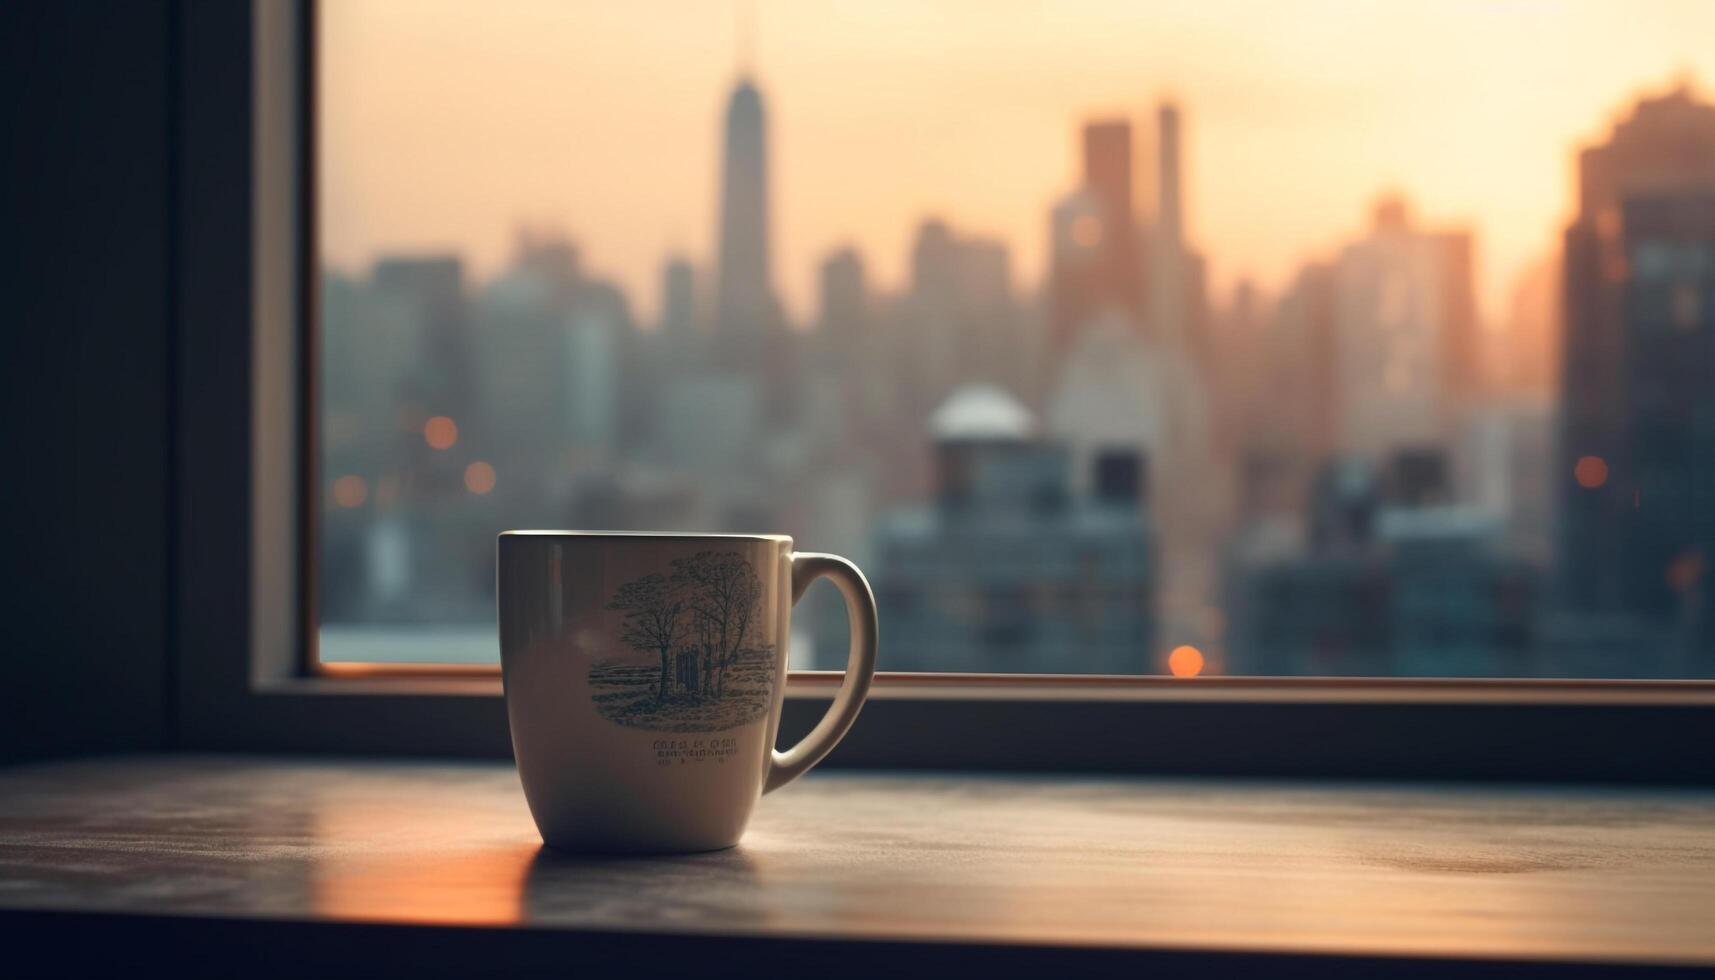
1295 115
1590 472
350 491
479 478
440 432
1185 661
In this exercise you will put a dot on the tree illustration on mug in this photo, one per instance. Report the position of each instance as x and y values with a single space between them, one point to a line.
725 595
655 619
701 625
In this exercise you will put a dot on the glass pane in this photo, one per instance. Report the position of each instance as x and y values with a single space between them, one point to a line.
1324 338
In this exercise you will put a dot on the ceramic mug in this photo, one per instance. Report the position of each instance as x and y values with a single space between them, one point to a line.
644 676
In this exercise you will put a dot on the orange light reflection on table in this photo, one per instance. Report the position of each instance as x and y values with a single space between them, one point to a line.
428 863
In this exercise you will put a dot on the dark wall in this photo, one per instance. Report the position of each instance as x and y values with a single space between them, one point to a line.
87 310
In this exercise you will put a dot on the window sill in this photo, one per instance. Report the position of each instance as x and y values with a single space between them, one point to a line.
309 867
484 680
1565 731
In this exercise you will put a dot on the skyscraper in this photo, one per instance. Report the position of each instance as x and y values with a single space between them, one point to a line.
1075 266
1404 335
1009 568
1169 213
846 342
1176 290
1096 262
1296 402
746 311
1108 177
429 291
960 304
678 300
1637 442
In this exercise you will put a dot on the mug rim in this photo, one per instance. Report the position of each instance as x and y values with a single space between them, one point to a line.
656 535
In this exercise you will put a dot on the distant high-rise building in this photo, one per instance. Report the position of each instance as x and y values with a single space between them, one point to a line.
934 264
1405 344
844 294
1167 255
1117 390
1178 302
1108 167
849 355
435 279
1076 265
1390 580
1095 257
1637 441
551 261
963 323
952 270
678 300
678 346
1669 385
523 317
746 310
404 572
1108 177
1235 373
429 291
1297 404
1508 452
1170 207
1009 568
558 365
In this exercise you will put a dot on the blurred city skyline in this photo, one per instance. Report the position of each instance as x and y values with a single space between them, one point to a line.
1103 460
883 115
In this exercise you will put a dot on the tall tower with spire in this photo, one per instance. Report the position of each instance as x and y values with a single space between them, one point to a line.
746 311
1167 255
1169 216
1178 303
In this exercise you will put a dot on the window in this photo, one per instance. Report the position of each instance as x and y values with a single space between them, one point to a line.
1339 339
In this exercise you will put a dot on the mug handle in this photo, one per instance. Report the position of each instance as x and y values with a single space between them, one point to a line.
860 667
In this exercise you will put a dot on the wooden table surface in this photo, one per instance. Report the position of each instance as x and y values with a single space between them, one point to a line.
1431 874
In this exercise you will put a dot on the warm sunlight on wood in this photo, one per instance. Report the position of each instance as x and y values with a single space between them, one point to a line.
482 856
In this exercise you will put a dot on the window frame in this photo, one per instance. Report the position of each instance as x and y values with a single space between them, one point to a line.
246 675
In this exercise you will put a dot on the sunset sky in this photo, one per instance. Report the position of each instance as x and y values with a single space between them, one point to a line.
448 124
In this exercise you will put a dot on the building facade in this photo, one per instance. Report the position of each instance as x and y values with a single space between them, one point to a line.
1638 374
1007 570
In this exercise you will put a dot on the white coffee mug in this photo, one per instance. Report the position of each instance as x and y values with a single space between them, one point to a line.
644 676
